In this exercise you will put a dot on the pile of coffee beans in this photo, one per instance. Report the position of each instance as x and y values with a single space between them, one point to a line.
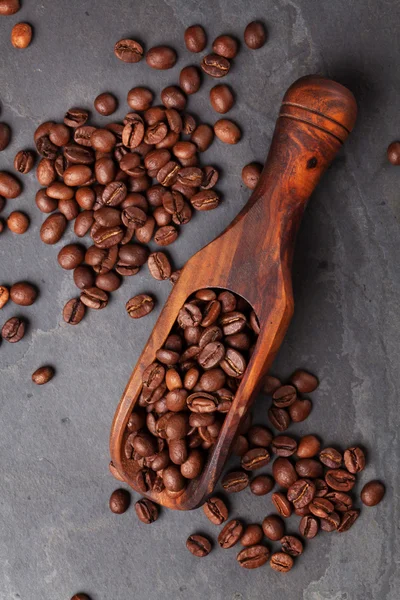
189 389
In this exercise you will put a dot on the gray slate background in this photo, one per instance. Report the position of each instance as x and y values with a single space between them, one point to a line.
57 535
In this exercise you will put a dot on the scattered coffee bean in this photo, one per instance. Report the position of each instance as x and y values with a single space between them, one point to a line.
23 161
23 294
227 131
53 228
216 66
372 493
21 35
13 330
10 187
161 57
4 296
347 520
252 535
146 511
9 7
251 174
139 306
259 436
128 51
221 98
279 418
74 311
393 153
190 80
300 409
292 545
308 527
253 557
120 501
43 375
226 46
281 562
84 277
308 467
340 480
215 510
71 256
304 382
301 492
230 534
283 445
282 504
255 35
255 459
235 481
331 458
18 222
5 136
354 460
273 527
105 104
198 545
308 446
284 472
261 485
195 38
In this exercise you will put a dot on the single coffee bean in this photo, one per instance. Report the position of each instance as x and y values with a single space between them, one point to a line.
53 228
354 459
279 418
4 295
211 355
330 522
284 396
195 38
173 479
139 98
309 467
308 527
193 466
139 306
393 153
44 202
146 511
372 493
198 545
203 137
284 472
205 200
236 481
292 545
190 80
46 148
120 501
173 97
9 7
161 57
18 222
10 187
233 363
331 458
240 445
216 66
321 488
226 46
159 266
308 446
283 445
24 161
59 134
80 597
259 436
129 51
301 492
261 485
230 534
13 330
76 117
341 501
21 35
253 556
23 294
94 298
281 562
251 174
153 376
74 311
215 510
5 136
273 527
321 507
71 256
252 535
227 131
255 35
255 459
340 480
300 410
210 177
304 381
84 277
105 104
347 520
46 173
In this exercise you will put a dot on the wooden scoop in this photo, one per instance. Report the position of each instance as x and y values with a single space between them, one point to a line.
253 258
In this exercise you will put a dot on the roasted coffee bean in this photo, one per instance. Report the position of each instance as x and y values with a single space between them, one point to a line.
71 256
304 381
279 418
341 501
321 488
173 97
205 200
211 355
198 545
53 228
102 260
252 535
5 136
255 35
273 527
167 357
300 410
189 315
259 436
129 51
331 458
120 501
21 35
23 294
226 46
321 507
202 402
139 306
301 492
216 66
271 384
215 510
308 527
251 174
190 80
261 485
24 161
114 194
109 282
203 137
255 459
240 446
94 298
105 104
173 478
13 330
309 467
18 222
9 7
80 597
284 472
340 480
10 187
103 140
282 445
83 137
227 131
308 446
372 493
139 98
159 266
46 172
221 98
393 153
347 520
43 129
44 202
281 562
76 117
144 444
161 57
4 295
210 334
253 556
59 134
212 381
74 311
230 534
195 38
236 481
233 363
83 223
292 545
330 522
354 459
192 467
284 396
146 511
43 375
190 176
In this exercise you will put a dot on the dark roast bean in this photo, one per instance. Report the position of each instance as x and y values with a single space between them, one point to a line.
46 148
251 174
105 104
192 467
354 459
24 161
215 510
59 134
114 193
195 38
226 46
261 485
341 501
202 402
74 311
44 202
211 355
308 446
230 534
53 228
71 256
94 298
233 363
273 527
255 459
13 330
255 35
300 410
281 562
301 492
129 51
202 136
284 396
321 507
347 520
309 467
321 488
139 98
190 80
161 57
109 282
139 306
159 266
252 535
146 511
236 481
271 384
4 295
216 66
221 98
227 131
291 545
308 527
283 445
173 97
372 493
120 501
83 137
10 187
259 436
284 472
205 200
304 381
331 458
240 446
253 556
198 545
173 478
330 522
23 294
279 418
103 140
76 117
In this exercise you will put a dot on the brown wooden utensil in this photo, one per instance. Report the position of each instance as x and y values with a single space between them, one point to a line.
253 258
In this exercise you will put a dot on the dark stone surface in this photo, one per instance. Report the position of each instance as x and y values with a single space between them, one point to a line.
57 534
